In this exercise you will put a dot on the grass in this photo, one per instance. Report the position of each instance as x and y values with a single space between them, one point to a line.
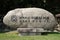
14 36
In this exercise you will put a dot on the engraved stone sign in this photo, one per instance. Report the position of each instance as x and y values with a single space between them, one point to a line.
30 18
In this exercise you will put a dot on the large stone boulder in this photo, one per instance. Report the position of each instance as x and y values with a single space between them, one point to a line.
30 18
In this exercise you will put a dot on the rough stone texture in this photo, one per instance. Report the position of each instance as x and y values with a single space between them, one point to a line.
25 30
44 23
30 31
58 28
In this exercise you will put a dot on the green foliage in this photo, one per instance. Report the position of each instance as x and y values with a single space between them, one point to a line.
50 5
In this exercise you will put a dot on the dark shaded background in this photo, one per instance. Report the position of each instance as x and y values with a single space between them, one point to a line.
6 5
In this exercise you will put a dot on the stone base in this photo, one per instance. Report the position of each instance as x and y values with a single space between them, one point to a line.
31 34
30 31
